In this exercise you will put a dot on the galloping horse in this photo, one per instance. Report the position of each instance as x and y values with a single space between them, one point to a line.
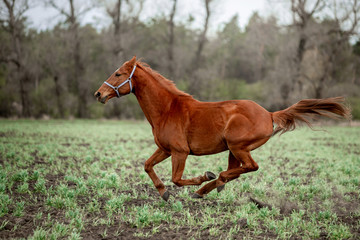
183 126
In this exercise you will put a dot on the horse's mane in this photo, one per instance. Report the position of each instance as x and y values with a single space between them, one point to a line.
168 84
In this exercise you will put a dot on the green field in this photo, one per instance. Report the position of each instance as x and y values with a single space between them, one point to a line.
84 179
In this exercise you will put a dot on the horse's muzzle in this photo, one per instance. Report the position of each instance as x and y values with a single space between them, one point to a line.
99 98
97 94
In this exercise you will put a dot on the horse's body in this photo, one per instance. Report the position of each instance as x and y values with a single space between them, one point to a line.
183 126
222 124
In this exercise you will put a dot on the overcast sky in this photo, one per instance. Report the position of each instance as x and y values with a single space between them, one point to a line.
223 10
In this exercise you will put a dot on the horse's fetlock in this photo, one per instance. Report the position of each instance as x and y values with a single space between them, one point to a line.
160 186
255 166
251 168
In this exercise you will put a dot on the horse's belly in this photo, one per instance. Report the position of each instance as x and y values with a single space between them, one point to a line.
209 146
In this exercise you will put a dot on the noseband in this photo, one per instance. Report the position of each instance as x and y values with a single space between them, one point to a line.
116 89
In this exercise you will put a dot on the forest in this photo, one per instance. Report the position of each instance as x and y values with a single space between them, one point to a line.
54 72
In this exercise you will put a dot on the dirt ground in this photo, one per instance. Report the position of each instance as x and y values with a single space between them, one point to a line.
11 226
26 224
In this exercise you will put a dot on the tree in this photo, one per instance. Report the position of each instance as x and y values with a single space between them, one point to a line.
12 22
320 44
303 12
115 13
77 82
53 61
202 37
196 75
121 12
171 34
336 48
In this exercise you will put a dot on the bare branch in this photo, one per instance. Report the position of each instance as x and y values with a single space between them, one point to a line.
350 18
70 15
61 10
317 7
9 59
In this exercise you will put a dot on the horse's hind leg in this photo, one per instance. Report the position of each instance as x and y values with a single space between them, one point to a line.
156 158
234 171
178 166
233 163
247 165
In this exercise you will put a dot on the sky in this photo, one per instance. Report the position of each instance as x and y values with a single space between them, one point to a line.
43 17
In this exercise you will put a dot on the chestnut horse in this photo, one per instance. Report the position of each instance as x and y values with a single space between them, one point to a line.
183 126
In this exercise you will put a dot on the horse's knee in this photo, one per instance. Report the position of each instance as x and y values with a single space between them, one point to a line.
177 182
147 167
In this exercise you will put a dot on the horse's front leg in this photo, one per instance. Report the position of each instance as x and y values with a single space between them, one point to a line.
156 158
178 165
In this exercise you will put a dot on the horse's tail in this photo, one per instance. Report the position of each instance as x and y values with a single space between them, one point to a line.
287 119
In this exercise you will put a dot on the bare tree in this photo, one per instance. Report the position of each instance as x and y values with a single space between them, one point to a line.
115 13
51 60
12 21
171 40
301 18
328 44
72 15
346 17
303 12
319 44
194 70
115 10
202 37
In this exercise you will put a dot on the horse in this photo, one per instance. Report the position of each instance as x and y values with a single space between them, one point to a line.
184 126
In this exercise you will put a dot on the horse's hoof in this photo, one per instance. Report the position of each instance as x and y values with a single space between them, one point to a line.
166 195
210 175
196 195
220 188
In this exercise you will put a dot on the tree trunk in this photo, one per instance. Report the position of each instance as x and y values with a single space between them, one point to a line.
17 50
78 64
79 75
118 49
58 97
171 41
25 112
202 39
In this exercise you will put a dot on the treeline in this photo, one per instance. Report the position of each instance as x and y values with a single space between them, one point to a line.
55 72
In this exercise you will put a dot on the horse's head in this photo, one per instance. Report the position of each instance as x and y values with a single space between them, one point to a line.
118 84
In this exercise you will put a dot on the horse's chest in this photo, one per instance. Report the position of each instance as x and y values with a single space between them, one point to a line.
161 144
170 140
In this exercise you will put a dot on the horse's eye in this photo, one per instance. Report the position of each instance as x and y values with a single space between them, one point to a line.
117 74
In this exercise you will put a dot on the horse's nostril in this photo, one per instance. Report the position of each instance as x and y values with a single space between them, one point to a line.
97 94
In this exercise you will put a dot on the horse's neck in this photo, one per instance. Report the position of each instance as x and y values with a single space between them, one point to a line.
153 98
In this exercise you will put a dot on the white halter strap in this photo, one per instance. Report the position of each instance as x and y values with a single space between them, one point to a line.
128 80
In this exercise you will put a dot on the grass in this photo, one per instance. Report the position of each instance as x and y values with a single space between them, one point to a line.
85 178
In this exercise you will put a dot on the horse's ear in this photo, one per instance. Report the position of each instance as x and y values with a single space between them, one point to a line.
132 61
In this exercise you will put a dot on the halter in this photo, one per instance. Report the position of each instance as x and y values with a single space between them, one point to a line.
123 83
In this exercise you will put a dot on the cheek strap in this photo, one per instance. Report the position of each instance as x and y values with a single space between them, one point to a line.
128 80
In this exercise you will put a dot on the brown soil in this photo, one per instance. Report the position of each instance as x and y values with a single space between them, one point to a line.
24 226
